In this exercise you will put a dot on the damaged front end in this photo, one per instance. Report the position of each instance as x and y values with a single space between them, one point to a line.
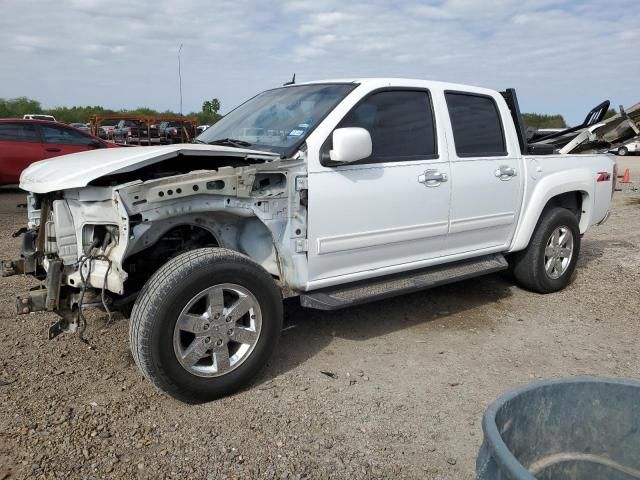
97 242
65 246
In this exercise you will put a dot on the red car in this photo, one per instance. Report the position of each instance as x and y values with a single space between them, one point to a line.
23 142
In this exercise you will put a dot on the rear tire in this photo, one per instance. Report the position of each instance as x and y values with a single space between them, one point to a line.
623 151
205 324
549 261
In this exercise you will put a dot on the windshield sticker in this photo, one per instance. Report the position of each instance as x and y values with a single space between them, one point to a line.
296 133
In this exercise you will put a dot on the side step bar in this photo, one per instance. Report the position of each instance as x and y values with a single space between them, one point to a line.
334 298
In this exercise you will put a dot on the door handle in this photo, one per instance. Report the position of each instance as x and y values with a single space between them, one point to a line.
505 172
52 149
432 178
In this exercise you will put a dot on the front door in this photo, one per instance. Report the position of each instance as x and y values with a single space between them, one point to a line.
388 210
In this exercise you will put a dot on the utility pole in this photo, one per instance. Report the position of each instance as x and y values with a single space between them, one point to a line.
180 77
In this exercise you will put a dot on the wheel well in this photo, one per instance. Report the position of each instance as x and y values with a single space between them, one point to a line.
572 201
182 238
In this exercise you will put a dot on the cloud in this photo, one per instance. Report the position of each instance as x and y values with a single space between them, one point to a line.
558 53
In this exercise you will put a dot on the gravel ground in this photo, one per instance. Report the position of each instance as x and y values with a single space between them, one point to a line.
410 377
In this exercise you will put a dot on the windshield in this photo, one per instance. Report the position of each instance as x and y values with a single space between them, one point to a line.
277 120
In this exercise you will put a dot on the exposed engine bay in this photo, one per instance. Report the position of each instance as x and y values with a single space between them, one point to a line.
97 245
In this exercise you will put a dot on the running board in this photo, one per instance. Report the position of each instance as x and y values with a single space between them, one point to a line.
334 298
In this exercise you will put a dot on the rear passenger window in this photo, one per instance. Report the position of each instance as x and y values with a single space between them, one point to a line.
66 136
18 132
400 123
477 129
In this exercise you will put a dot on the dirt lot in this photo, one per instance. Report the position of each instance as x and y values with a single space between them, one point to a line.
413 376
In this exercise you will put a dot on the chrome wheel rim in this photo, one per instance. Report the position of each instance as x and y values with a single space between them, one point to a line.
217 330
558 252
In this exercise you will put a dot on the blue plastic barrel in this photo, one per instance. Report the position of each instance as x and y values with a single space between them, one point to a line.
579 428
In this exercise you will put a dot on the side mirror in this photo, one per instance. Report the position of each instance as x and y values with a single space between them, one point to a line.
95 144
350 144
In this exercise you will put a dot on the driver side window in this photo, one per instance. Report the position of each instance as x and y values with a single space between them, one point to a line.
400 123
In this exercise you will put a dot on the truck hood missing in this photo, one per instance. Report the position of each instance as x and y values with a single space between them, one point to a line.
79 169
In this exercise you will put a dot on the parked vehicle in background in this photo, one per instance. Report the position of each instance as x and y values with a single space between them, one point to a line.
176 132
38 116
144 134
132 132
106 132
201 128
23 142
353 191
632 146
121 130
81 126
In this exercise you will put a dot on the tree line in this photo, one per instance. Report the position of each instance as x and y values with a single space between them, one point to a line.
536 120
18 107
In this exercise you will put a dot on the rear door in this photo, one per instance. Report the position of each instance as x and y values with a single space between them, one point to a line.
389 210
486 171
20 146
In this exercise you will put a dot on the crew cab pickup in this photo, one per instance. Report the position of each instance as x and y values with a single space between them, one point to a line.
134 132
335 192
176 132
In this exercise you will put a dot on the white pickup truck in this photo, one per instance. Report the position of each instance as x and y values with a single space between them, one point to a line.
337 192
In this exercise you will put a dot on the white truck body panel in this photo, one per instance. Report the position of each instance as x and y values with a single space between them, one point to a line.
378 232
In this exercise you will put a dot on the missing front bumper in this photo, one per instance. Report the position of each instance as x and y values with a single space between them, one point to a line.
47 299
42 299
21 266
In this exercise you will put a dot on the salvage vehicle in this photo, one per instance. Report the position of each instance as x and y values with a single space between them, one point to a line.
391 186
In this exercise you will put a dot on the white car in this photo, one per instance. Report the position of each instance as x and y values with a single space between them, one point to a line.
632 146
38 116
392 186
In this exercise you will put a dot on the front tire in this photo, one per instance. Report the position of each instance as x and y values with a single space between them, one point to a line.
549 261
205 324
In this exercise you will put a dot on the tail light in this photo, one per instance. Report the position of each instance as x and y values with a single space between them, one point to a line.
129 132
174 131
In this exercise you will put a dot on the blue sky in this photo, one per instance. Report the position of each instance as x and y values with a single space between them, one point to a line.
563 56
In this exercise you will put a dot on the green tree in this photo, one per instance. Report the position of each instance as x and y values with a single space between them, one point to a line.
17 107
209 114
206 118
215 105
536 120
211 106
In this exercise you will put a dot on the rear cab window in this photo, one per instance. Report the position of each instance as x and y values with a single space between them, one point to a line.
476 123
